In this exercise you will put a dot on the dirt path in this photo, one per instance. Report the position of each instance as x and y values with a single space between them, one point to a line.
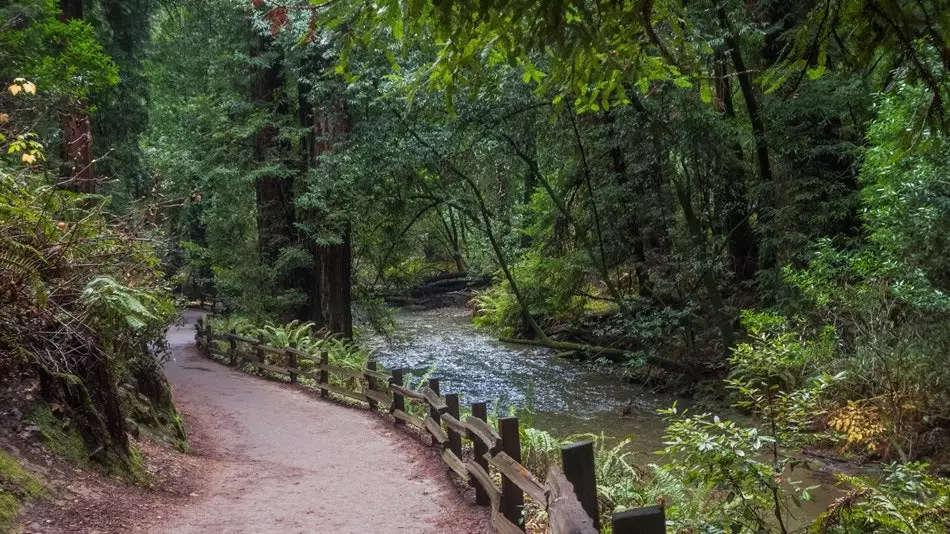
280 460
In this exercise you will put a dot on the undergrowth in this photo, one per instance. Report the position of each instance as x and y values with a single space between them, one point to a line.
343 353
84 307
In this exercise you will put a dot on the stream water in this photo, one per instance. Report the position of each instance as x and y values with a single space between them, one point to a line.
554 394
561 396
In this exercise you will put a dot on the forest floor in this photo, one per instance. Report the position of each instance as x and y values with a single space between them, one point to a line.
267 457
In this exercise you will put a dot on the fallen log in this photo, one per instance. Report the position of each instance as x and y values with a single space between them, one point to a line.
444 276
448 286
659 361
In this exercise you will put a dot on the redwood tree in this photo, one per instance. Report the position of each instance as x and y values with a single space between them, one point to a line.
331 291
76 143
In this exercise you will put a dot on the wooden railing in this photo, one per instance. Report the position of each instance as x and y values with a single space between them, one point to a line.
568 496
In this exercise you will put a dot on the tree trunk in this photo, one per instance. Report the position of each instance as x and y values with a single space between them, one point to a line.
768 256
530 180
331 291
76 142
275 217
706 276
635 231
734 206
456 245
304 277
334 282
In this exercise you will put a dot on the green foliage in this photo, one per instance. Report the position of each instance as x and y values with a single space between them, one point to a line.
743 475
619 171
905 499
59 436
774 365
344 353
293 334
408 272
466 41
551 286
888 299
496 308
122 109
123 312
907 199
619 483
62 58
234 323
539 449
85 308
718 461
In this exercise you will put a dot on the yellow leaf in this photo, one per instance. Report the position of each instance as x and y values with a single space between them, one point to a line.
29 159
14 89
4 117
29 88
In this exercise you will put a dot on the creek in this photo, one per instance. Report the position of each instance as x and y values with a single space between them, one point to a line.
561 396
558 395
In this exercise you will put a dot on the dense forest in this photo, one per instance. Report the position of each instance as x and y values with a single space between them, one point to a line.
83 302
746 203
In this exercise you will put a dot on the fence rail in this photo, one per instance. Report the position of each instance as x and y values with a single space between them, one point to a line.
569 497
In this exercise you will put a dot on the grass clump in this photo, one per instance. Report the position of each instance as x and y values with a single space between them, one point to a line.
17 486
59 436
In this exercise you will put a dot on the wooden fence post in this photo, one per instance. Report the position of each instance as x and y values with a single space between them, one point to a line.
259 352
433 413
578 462
399 402
512 498
291 363
232 348
324 372
371 384
455 440
209 339
649 520
480 411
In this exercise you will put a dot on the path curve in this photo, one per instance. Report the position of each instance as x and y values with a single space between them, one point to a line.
284 461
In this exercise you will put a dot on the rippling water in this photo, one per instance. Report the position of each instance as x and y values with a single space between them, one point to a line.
559 395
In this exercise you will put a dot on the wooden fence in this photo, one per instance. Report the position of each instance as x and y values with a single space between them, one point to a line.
569 497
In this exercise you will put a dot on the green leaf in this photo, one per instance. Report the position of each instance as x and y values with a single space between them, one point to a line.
705 92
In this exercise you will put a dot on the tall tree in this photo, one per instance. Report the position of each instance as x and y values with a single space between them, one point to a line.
121 112
76 141
274 194
332 294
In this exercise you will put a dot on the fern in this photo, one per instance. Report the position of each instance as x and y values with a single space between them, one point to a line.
906 499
